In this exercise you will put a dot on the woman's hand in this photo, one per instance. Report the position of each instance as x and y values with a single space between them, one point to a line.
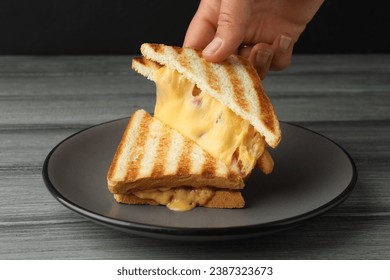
263 31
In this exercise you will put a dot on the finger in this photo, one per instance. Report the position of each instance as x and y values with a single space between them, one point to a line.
283 47
199 34
233 20
261 57
203 25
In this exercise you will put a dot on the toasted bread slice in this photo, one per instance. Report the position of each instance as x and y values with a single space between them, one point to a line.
265 162
234 83
145 67
176 105
151 155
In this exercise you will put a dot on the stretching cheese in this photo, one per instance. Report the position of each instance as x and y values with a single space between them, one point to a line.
200 117
178 199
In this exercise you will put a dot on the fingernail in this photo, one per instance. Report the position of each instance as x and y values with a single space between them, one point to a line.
262 58
285 42
213 46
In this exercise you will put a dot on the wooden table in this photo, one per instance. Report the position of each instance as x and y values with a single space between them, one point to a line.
44 99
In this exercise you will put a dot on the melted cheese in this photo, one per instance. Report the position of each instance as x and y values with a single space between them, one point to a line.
213 126
179 199
206 121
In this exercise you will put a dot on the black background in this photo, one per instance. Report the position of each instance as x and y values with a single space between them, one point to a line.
120 26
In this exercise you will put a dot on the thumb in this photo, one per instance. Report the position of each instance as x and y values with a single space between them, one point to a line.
233 19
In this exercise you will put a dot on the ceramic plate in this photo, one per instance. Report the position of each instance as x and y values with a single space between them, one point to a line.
312 174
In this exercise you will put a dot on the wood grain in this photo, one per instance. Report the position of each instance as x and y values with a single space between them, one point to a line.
45 99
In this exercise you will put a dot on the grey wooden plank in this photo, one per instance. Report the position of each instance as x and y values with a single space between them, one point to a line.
85 100
92 89
324 238
120 64
27 148
20 65
92 108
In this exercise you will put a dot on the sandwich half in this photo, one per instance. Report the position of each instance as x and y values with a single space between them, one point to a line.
212 125
220 106
156 165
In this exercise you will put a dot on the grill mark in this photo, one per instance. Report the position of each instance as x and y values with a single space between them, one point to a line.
151 64
185 165
212 78
238 87
133 167
158 48
209 167
161 152
140 60
178 50
183 58
145 63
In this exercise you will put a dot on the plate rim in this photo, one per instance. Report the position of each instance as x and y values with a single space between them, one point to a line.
197 233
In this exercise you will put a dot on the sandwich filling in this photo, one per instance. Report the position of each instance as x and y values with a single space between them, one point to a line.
178 199
200 117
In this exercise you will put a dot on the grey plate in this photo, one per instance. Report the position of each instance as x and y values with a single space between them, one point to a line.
312 174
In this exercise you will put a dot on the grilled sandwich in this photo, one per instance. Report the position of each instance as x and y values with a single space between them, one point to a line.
212 126
220 106
154 164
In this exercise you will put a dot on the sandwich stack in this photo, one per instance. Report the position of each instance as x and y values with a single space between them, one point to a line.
212 126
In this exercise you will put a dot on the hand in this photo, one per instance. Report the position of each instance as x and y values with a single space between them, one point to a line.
263 31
